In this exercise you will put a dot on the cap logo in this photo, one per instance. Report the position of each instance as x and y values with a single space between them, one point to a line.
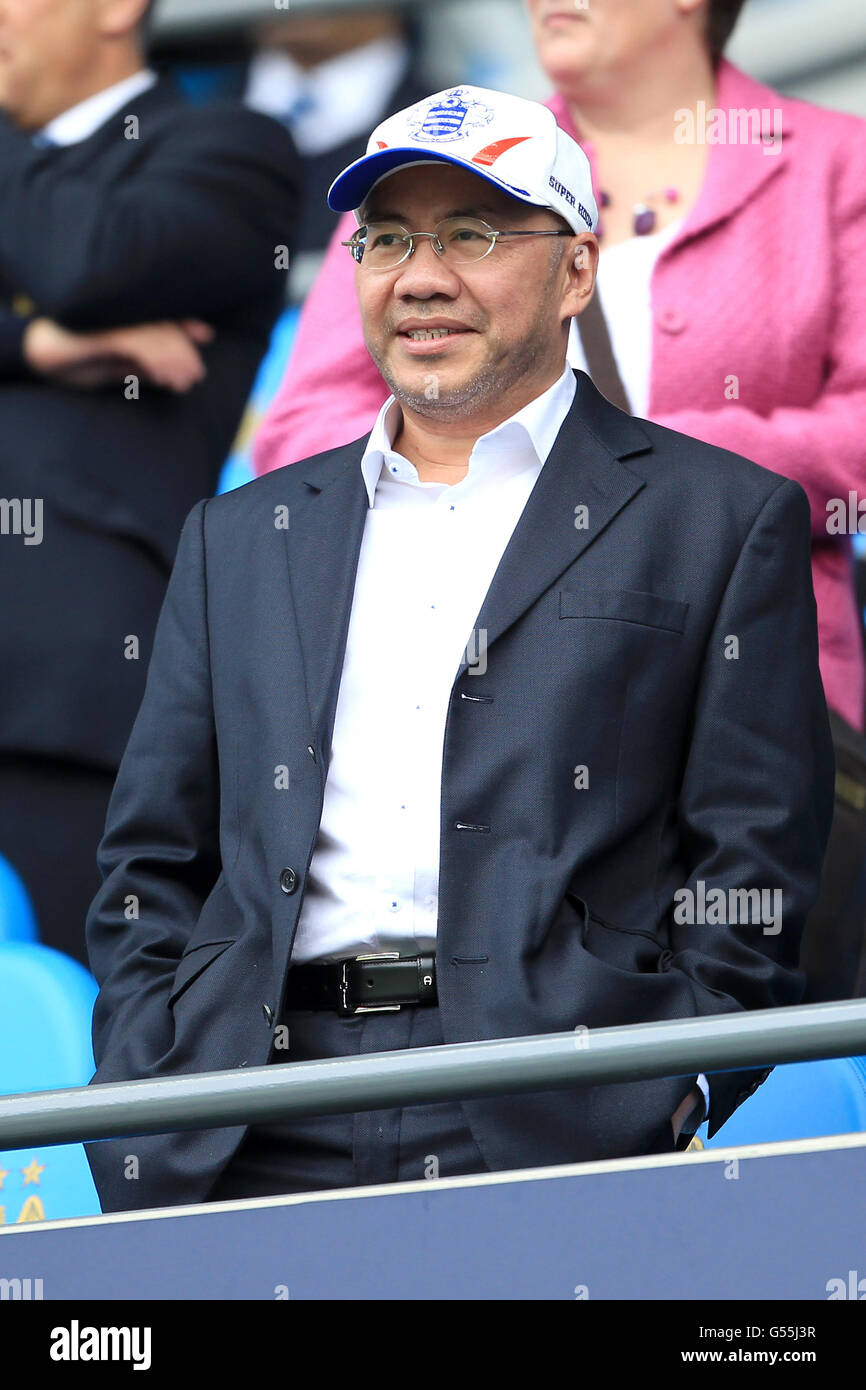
450 117
491 153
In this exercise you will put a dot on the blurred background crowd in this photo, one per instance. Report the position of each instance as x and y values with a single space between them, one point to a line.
176 315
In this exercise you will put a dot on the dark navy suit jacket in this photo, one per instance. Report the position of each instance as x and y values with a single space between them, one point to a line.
609 647
181 221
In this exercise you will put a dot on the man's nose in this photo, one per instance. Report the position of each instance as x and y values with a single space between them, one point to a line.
424 274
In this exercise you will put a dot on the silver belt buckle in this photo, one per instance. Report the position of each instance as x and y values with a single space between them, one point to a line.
345 1010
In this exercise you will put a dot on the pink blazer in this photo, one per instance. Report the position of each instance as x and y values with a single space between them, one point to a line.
759 336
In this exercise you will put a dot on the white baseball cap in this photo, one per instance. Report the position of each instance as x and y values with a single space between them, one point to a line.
511 142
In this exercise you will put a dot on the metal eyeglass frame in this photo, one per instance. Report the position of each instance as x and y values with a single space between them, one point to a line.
492 236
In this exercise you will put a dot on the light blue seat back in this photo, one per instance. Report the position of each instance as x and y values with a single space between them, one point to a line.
238 467
17 916
46 1003
800 1100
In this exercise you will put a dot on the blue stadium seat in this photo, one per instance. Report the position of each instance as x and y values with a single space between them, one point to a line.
17 917
801 1100
46 1003
236 471
238 467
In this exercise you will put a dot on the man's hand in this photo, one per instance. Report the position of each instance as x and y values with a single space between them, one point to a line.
162 354
694 1097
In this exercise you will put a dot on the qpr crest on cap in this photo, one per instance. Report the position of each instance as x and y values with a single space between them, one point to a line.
450 117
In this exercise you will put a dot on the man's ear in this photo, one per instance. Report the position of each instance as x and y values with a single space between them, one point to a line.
581 261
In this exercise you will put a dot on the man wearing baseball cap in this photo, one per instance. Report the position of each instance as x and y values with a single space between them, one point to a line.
504 720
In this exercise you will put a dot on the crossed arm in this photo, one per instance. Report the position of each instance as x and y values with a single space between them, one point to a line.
134 277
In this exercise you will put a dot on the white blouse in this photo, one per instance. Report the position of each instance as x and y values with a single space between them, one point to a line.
623 287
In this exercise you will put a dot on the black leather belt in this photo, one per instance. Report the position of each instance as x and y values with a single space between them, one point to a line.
380 982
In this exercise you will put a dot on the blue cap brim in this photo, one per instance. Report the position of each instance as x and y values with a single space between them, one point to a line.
350 188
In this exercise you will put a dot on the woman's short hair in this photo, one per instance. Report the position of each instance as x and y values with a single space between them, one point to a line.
722 15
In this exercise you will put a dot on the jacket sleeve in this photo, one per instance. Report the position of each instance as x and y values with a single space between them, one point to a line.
12 361
756 798
189 232
332 391
820 444
159 856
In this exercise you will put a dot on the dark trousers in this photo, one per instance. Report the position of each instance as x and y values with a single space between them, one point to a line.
833 949
52 817
369 1148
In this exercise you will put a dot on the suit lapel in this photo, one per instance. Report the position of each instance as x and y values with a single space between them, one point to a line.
739 164
324 541
583 470
327 525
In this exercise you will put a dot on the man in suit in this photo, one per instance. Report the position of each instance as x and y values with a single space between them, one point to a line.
328 76
454 732
143 248
331 77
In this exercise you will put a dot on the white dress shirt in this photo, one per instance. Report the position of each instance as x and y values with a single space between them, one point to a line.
84 119
623 285
428 555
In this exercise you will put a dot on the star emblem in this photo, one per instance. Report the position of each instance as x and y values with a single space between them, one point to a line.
31 1173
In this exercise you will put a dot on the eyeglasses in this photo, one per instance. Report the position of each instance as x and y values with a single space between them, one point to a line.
458 240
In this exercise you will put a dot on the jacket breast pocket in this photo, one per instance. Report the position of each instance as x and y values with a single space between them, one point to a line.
624 606
194 962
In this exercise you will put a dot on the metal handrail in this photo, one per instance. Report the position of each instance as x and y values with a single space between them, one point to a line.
206 1100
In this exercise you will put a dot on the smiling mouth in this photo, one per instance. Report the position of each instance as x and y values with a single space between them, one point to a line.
420 335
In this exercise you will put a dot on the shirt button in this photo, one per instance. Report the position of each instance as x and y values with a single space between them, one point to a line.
394 905
671 320
288 880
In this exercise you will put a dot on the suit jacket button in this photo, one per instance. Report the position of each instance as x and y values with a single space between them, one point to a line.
288 880
269 1014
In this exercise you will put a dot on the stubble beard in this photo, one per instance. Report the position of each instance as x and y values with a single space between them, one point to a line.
493 379
505 367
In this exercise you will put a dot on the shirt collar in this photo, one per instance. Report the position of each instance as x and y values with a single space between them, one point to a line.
523 441
82 120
